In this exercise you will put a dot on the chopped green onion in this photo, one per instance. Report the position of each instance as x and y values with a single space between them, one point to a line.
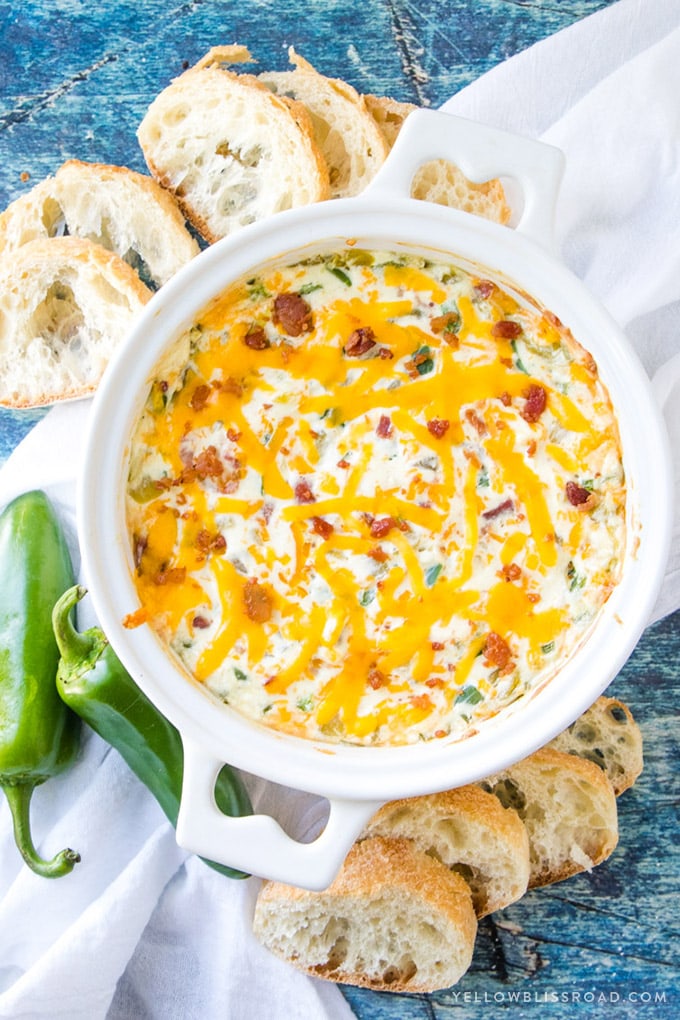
469 695
519 364
341 275
432 574
239 674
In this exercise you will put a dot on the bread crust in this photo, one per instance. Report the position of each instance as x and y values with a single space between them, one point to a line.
280 128
608 735
350 139
65 304
111 205
374 868
470 832
569 808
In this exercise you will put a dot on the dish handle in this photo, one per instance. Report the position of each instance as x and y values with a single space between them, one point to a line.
481 153
256 844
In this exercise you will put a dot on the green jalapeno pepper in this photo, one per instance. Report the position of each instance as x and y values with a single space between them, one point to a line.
93 682
39 736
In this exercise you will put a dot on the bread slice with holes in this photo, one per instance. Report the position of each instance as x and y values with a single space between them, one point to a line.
121 210
439 180
394 919
471 833
568 807
65 305
349 137
229 150
608 735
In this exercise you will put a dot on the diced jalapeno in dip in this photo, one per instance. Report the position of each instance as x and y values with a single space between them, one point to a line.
374 498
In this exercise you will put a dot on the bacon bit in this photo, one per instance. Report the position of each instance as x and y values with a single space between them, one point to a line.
384 428
343 463
434 681
136 619
511 572
233 435
535 403
477 423
257 602
376 678
385 353
208 463
303 493
379 555
485 288
505 399
506 329
448 324
229 385
172 575
411 365
438 427
256 338
267 511
360 341
533 597
322 527
437 646
200 622
490 515
581 498
531 448
199 398
440 733
497 651
381 526
423 701
207 542
292 312
576 494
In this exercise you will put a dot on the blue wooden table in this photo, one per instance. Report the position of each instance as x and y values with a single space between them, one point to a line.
75 80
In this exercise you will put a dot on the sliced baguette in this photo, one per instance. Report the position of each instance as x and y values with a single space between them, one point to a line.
125 212
65 304
349 137
568 807
607 735
229 150
470 832
439 180
394 919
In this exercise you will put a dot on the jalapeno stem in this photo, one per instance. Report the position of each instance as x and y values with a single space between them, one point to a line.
19 800
75 647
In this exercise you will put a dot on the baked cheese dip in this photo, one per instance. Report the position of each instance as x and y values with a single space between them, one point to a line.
374 498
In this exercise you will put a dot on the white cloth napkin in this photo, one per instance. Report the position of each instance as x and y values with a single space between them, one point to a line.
141 930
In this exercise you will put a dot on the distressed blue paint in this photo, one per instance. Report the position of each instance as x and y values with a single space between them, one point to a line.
75 80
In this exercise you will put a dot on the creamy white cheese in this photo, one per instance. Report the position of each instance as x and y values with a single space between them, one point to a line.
375 499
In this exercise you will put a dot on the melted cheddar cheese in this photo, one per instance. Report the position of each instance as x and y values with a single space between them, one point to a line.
374 498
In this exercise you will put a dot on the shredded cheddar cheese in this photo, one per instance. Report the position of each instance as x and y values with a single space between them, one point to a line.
374 499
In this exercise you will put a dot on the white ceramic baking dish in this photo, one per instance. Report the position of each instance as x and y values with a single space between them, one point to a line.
356 780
